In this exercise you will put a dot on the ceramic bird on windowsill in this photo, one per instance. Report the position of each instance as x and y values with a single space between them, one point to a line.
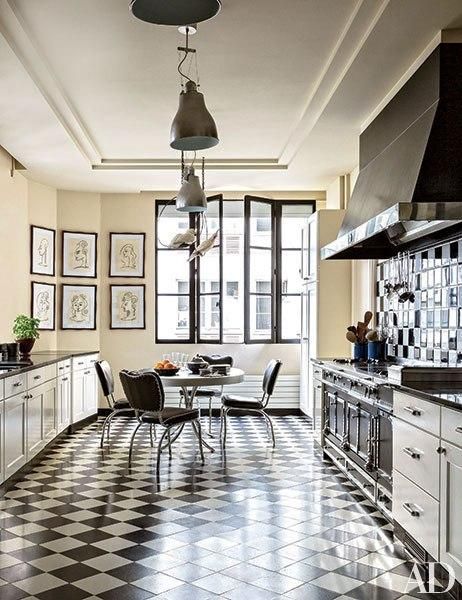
182 240
205 246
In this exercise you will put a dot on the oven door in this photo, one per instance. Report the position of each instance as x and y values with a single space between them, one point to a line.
359 435
334 415
384 448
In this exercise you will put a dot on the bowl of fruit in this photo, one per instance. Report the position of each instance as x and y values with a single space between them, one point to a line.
166 368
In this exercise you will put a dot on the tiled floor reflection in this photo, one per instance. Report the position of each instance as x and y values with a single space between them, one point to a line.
256 524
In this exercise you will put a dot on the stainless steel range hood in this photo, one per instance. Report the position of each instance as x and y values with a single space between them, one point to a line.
410 181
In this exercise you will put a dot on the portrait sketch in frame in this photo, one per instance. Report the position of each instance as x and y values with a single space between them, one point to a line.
43 302
42 250
79 254
78 306
128 307
126 254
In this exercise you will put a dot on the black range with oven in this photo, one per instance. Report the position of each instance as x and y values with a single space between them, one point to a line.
357 426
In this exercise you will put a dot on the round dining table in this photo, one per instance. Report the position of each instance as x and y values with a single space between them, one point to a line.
190 383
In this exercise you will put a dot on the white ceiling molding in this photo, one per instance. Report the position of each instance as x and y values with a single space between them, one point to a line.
216 164
13 29
357 30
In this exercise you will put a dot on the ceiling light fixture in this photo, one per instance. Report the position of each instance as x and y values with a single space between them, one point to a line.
193 127
175 12
191 197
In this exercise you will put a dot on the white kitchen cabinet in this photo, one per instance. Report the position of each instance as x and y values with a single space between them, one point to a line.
41 416
15 411
63 417
451 512
78 395
50 400
90 392
2 452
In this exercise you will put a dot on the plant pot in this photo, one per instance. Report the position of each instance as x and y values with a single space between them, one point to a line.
25 346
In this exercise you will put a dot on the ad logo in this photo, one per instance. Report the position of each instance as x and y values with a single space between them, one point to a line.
430 585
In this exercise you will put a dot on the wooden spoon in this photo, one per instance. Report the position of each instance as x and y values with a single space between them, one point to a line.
350 336
367 318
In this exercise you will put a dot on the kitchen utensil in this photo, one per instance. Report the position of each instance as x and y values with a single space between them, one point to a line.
351 337
367 318
353 329
372 336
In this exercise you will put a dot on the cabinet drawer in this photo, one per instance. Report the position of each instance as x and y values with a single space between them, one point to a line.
15 385
64 367
417 512
451 425
415 456
84 362
39 376
421 413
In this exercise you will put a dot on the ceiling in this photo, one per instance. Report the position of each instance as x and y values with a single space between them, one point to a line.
92 90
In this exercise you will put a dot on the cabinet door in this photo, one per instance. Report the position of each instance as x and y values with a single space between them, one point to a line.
64 403
15 433
35 420
90 392
451 513
49 410
78 396
313 249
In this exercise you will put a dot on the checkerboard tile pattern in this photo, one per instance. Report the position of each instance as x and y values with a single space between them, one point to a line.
250 523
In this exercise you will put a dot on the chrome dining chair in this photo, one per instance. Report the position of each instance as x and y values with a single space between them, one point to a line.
145 393
210 393
117 407
233 402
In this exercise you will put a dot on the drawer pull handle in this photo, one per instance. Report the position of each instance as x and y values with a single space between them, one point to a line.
37 377
412 509
17 384
87 372
65 379
61 368
81 363
415 412
459 429
412 453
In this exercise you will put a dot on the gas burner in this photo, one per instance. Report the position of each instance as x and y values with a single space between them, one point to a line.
346 361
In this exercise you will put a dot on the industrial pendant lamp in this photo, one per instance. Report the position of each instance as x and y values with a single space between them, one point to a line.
193 127
191 197
175 12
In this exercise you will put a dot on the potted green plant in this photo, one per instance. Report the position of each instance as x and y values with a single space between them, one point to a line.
25 331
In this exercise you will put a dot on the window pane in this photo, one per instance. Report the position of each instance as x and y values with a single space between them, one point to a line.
233 271
290 272
260 224
294 218
173 317
209 268
260 271
260 317
172 268
169 224
290 317
209 317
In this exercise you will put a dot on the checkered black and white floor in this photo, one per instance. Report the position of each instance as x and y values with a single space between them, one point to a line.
254 524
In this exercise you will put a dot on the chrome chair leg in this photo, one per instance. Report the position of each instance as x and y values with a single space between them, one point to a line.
150 436
210 416
130 452
270 423
159 452
225 425
221 422
169 443
105 422
198 431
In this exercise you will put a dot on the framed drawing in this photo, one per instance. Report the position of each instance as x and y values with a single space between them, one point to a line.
128 307
78 309
43 301
42 250
126 254
79 254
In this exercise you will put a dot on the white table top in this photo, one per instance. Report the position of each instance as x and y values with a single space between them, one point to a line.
187 379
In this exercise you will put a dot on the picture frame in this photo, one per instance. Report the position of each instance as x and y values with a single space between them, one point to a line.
43 304
79 254
42 250
78 307
126 254
128 306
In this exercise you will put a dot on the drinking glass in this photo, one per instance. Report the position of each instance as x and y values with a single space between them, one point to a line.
166 356
175 357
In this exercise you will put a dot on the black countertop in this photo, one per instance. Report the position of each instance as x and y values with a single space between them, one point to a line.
42 359
445 393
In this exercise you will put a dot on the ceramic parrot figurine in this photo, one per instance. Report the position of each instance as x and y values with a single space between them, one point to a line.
183 239
205 246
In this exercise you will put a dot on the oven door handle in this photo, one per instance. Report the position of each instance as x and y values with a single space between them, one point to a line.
412 509
412 452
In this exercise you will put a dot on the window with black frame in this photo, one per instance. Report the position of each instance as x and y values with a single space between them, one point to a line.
246 288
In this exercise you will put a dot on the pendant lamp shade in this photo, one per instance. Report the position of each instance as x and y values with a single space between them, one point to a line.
175 12
191 197
193 127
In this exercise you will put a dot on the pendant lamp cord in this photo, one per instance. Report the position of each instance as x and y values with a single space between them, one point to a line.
186 52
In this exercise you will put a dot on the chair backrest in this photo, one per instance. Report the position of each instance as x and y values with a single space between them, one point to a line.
216 359
105 376
270 375
143 390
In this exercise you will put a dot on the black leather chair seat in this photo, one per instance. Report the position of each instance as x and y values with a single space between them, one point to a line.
120 404
172 415
243 402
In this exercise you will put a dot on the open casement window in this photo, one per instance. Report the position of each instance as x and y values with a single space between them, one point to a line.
273 234
188 294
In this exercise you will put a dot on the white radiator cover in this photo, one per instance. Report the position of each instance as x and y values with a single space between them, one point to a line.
286 393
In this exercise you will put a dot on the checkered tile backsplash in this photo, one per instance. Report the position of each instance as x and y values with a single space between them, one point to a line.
431 327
